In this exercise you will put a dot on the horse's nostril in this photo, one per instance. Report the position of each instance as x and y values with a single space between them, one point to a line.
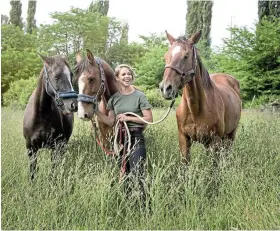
169 88
85 115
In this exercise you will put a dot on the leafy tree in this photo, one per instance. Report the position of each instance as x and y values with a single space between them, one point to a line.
124 34
31 22
99 6
19 59
150 67
124 53
74 31
199 16
15 13
254 58
268 8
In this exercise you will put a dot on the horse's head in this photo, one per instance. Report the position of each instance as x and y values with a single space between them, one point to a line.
58 82
90 76
180 64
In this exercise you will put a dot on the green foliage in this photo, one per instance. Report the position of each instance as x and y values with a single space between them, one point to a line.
19 92
150 67
31 22
268 8
253 58
261 101
99 6
15 14
19 57
124 53
74 31
199 16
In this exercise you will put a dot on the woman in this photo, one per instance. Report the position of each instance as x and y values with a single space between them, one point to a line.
129 99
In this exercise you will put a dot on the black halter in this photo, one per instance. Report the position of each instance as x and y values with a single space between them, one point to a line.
93 99
188 75
58 95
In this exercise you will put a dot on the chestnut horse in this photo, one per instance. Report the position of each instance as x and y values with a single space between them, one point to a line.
97 83
48 117
210 107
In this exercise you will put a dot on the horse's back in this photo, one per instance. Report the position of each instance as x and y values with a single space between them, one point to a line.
226 80
229 89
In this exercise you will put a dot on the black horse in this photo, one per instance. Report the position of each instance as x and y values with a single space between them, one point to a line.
48 117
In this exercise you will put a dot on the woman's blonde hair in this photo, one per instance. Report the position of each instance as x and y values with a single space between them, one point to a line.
119 67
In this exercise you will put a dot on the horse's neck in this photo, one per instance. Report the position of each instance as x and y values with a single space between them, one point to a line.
111 83
43 101
194 93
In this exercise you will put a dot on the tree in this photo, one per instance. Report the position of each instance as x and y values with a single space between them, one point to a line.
124 33
254 58
4 19
268 8
99 6
199 16
31 22
15 14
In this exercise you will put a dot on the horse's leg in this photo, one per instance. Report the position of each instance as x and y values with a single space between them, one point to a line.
33 169
185 146
57 153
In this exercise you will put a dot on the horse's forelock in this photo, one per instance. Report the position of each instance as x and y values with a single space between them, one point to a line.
80 67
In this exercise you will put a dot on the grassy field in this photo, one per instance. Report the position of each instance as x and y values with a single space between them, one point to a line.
241 193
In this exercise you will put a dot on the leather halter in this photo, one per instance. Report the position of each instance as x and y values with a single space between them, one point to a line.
58 95
186 76
94 99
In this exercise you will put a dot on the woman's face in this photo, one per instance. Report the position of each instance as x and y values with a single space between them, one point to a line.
125 76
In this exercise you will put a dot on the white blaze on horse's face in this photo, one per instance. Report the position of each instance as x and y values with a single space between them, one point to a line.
85 110
66 71
176 50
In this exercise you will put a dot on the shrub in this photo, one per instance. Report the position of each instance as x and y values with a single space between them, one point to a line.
19 92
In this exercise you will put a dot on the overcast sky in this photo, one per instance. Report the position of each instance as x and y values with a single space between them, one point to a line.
145 16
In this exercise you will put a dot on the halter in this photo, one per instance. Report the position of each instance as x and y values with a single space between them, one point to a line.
58 95
93 99
186 76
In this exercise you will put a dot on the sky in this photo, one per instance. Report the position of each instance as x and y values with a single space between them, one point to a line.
145 17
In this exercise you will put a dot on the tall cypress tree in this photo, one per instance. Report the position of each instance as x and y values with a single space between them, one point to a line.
268 8
199 16
15 13
31 22
100 6
124 35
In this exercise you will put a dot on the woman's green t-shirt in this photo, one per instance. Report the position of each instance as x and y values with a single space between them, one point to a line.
134 102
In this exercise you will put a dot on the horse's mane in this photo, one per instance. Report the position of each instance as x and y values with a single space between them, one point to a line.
206 81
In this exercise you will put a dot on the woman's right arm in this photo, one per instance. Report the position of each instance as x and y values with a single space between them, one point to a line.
108 120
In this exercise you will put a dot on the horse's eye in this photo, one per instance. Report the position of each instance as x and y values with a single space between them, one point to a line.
186 56
91 80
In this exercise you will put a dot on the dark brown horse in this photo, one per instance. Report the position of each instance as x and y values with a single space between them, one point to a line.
97 83
210 107
48 118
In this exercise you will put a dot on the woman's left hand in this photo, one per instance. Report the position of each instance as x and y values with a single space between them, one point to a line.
123 117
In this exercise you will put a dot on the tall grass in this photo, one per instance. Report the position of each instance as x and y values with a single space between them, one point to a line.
241 193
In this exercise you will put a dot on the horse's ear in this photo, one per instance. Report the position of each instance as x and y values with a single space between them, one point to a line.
45 58
90 57
169 37
195 37
79 57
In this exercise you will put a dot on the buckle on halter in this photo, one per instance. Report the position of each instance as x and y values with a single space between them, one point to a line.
59 102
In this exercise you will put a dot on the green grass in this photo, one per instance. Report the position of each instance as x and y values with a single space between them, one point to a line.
241 193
